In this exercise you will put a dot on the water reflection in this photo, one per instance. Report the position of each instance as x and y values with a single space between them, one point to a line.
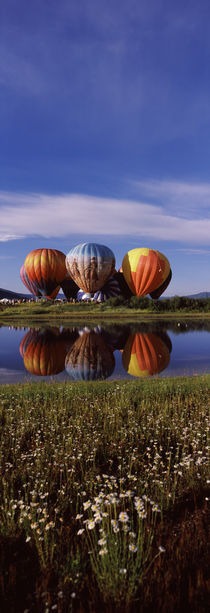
114 351
148 354
89 354
44 351
90 358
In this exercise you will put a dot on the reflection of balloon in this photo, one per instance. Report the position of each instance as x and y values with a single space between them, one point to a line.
90 265
145 355
44 352
115 336
145 270
25 342
157 293
90 358
46 269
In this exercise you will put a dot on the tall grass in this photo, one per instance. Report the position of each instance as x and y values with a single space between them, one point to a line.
89 474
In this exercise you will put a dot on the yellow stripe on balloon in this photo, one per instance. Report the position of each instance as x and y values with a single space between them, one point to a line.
134 369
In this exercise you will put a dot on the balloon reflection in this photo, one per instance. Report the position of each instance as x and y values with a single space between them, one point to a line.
88 354
44 351
146 354
90 358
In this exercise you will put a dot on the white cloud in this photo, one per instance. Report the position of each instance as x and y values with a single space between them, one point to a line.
24 215
196 251
182 197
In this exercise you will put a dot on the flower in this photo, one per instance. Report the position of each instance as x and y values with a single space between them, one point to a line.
102 541
80 531
123 517
91 524
103 551
132 548
161 549
86 504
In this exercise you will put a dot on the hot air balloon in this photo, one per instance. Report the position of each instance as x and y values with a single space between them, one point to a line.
29 284
124 289
44 352
109 290
157 293
90 358
145 270
145 354
46 269
69 288
84 296
90 265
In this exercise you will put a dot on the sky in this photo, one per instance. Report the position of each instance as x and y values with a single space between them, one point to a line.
105 131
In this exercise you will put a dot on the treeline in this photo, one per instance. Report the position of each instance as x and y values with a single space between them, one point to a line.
178 303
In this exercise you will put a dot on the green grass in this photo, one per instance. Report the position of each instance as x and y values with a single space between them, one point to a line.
31 313
74 457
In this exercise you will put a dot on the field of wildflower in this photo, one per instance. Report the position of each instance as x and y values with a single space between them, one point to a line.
104 494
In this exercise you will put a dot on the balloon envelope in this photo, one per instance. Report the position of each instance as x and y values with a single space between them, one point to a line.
145 354
69 288
90 358
29 284
90 265
46 269
157 293
145 270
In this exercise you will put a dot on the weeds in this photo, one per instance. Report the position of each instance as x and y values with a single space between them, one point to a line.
90 472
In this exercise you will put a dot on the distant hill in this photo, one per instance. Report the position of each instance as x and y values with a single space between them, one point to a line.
195 296
6 293
200 295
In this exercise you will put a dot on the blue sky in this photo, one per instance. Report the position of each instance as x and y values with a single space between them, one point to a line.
105 131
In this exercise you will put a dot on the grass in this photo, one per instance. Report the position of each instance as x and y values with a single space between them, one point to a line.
45 312
103 496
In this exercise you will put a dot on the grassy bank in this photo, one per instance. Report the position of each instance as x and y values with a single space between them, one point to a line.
103 496
54 313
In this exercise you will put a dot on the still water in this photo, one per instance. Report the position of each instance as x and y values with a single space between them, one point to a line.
112 352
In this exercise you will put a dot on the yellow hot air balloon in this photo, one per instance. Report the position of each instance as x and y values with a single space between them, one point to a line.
145 270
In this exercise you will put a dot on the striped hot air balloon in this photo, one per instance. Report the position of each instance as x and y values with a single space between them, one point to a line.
29 284
159 291
45 269
145 270
90 265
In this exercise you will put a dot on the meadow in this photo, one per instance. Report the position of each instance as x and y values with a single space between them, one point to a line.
115 308
104 495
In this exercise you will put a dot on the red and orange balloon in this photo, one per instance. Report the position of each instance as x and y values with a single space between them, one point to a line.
44 270
145 270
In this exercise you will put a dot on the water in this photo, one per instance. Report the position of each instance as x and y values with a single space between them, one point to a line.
111 352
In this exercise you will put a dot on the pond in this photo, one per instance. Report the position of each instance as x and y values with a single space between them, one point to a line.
163 349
